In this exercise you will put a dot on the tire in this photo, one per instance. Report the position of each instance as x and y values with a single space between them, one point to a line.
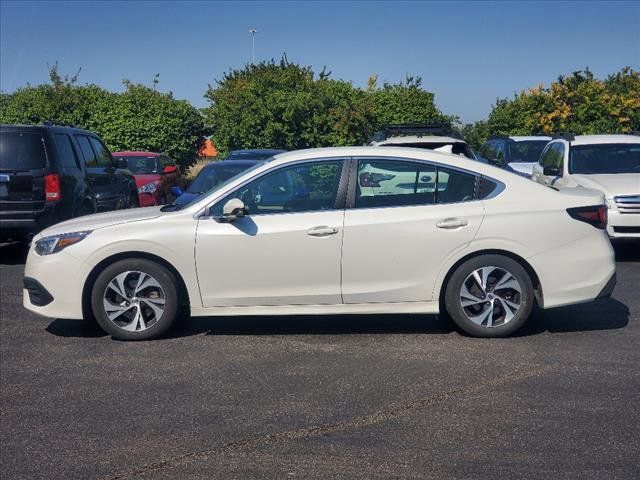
487 311
135 313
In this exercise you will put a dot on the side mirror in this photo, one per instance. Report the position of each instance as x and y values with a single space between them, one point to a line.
232 210
121 164
176 191
169 169
551 171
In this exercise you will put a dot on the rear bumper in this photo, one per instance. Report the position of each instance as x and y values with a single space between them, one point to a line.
580 271
22 223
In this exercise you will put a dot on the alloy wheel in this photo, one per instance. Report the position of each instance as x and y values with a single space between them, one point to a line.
490 296
134 301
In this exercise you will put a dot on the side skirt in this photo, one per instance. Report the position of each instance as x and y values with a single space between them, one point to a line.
373 308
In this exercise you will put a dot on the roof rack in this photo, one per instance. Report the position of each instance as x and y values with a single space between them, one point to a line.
49 123
508 137
418 129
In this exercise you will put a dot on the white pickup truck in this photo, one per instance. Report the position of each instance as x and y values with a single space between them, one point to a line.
609 163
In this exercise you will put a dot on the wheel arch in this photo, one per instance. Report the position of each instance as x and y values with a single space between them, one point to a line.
535 279
95 271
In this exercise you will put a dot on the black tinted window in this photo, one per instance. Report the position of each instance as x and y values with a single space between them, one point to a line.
66 152
455 186
526 151
21 151
299 188
102 154
605 158
87 152
393 183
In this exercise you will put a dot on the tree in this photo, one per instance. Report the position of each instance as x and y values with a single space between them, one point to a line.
138 118
578 103
284 105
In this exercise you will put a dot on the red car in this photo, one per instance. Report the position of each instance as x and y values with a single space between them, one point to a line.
148 169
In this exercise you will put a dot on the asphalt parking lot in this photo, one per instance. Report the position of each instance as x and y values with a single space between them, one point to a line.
324 397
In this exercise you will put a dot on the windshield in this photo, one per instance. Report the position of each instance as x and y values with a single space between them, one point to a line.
527 150
255 155
140 165
21 151
210 177
217 186
605 158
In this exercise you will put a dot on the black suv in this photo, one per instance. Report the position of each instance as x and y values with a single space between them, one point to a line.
50 173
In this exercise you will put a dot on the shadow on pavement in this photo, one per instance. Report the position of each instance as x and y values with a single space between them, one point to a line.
14 253
627 250
75 328
606 314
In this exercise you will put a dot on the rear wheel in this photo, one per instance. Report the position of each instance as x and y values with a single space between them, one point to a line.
489 296
135 299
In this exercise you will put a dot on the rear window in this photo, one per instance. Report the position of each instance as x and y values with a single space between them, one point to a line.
21 151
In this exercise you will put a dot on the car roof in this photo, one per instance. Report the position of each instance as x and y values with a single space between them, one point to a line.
137 154
530 138
600 139
417 139
52 127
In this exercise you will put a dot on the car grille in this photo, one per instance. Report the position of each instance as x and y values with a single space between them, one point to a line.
628 203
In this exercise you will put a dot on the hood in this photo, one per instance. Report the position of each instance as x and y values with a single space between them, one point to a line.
611 184
145 178
101 220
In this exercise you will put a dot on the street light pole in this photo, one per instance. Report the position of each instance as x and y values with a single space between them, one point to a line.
253 32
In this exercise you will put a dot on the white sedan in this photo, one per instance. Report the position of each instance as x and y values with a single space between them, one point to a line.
327 231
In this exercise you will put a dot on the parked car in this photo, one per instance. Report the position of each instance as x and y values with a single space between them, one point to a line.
473 247
253 154
608 163
50 173
149 169
432 137
211 176
516 153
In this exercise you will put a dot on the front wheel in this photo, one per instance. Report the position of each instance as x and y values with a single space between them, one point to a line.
489 296
135 299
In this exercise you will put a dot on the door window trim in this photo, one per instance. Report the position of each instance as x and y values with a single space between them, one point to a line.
340 194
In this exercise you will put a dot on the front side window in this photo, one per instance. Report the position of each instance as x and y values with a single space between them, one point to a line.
553 156
605 158
103 155
297 188
395 183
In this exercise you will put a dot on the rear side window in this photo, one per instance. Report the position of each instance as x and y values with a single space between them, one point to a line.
392 184
87 152
66 152
455 186
102 154
22 151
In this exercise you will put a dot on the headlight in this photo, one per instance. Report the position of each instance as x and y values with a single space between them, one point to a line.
148 188
55 243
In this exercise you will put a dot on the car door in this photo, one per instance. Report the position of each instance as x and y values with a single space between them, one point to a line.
286 250
74 189
398 231
99 178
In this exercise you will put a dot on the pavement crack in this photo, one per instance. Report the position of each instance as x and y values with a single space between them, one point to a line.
389 412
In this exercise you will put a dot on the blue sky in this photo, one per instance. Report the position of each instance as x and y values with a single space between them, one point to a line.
468 53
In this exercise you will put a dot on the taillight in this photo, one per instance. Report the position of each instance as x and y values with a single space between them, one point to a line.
595 215
52 191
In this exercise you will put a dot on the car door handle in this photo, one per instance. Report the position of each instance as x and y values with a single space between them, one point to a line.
322 231
451 223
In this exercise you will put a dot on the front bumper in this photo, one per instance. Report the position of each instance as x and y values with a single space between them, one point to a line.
623 225
148 199
53 285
